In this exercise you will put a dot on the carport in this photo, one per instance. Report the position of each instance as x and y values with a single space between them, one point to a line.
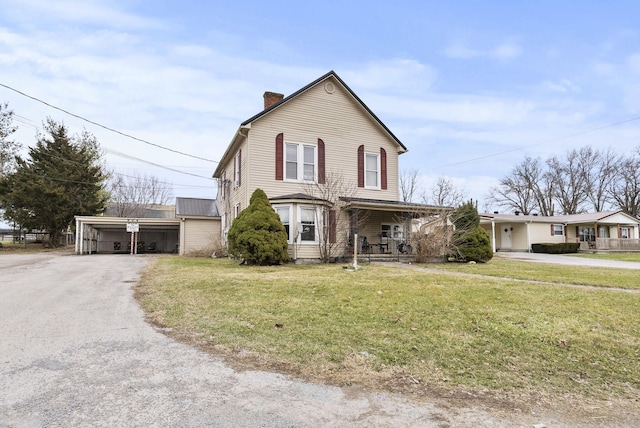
113 235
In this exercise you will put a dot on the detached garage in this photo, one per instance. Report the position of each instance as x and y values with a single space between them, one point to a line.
196 227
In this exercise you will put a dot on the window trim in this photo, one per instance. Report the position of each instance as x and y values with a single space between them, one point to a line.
366 171
555 230
289 208
300 162
316 223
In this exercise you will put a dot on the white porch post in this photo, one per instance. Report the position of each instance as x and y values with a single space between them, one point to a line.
493 235
77 234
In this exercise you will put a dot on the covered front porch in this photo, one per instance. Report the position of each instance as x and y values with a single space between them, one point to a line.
383 230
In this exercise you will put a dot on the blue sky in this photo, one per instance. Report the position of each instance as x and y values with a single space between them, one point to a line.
469 87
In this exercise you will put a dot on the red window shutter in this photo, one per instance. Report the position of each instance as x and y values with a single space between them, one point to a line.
279 156
578 232
321 179
332 226
552 230
383 168
361 166
239 167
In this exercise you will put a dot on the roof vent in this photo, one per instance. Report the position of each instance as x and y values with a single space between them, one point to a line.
329 87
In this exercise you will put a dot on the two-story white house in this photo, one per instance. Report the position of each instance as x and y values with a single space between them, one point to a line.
329 167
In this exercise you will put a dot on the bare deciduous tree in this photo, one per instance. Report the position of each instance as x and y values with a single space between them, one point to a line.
600 175
408 184
131 195
570 179
625 189
524 189
444 193
333 231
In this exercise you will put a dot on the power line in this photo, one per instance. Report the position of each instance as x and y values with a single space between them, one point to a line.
546 142
106 127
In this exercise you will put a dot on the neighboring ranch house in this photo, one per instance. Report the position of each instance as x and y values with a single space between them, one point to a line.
605 231
329 167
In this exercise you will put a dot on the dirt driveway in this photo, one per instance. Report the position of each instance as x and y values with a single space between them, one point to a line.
75 351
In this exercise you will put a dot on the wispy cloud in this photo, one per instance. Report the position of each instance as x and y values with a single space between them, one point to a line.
503 51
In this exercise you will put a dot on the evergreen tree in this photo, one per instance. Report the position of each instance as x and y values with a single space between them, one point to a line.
257 234
470 242
63 177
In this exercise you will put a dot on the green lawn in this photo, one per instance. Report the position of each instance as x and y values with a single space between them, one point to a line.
384 322
513 269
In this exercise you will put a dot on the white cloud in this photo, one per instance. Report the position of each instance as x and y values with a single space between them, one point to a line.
403 75
561 86
504 51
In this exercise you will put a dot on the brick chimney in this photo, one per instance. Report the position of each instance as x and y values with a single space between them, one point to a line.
271 98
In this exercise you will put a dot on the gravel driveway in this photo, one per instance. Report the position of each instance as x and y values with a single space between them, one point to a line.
75 351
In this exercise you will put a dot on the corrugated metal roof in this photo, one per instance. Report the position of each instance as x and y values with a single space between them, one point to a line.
194 207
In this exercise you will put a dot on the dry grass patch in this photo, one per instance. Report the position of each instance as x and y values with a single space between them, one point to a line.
404 329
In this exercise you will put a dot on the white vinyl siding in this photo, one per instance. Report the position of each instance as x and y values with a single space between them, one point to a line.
335 118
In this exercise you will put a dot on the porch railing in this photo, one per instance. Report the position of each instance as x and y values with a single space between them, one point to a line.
612 244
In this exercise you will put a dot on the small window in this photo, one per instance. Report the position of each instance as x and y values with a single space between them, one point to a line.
558 230
236 210
372 170
625 233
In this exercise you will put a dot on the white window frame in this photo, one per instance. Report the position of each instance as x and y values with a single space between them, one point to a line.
556 228
367 184
316 221
300 162
238 172
236 210
392 231
289 208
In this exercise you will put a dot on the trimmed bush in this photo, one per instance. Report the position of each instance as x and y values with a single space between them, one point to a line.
556 248
257 234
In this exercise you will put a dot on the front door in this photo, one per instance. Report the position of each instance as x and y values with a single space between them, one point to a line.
505 239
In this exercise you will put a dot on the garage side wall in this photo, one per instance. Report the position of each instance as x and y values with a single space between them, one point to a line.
199 235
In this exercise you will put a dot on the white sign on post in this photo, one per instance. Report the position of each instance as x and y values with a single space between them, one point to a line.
133 227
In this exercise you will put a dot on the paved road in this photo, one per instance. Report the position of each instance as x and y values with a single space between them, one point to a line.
75 351
569 260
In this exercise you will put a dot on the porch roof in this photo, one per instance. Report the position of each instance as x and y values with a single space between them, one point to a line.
382 205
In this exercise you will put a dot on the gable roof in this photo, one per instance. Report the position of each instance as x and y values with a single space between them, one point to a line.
242 130
565 219
194 207
314 83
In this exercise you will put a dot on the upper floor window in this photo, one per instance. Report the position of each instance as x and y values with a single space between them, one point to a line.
300 162
237 169
236 210
372 170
